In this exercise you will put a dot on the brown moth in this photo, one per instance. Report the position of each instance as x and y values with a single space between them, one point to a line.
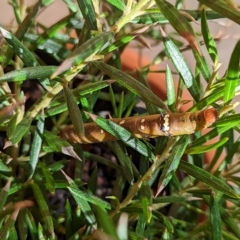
167 124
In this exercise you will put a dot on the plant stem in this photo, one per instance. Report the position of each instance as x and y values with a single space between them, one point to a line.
136 186
129 15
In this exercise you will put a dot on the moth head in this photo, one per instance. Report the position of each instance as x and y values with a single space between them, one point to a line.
210 116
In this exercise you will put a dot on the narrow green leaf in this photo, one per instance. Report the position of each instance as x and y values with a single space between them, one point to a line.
164 220
170 90
208 179
151 108
22 29
102 160
222 8
22 51
106 223
41 232
169 199
208 100
172 163
124 160
208 39
68 220
92 182
51 31
49 180
56 166
22 226
229 221
24 54
5 232
74 112
145 195
179 23
206 148
225 121
58 105
88 12
130 83
87 49
4 193
82 202
57 144
124 135
154 16
28 73
118 4
20 130
31 225
180 64
36 146
123 40
113 101
141 223
215 219
4 168
232 75
221 126
202 65
44 209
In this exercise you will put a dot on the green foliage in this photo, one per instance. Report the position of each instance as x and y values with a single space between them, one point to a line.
67 73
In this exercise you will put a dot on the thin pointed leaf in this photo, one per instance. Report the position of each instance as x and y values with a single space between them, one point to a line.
172 163
58 105
87 49
88 12
222 8
44 209
49 180
232 75
208 179
179 23
22 29
170 90
51 31
57 144
130 83
24 54
28 73
123 40
215 219
20 130
208 100
206 148
118 4
208 39
36 146
81 201
106 223
4 194
68 220
151 108
202 65
74 112
180 64
229 221
5 232
221 126
158 17
124 160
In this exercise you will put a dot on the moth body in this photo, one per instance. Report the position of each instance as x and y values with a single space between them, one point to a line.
170 124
